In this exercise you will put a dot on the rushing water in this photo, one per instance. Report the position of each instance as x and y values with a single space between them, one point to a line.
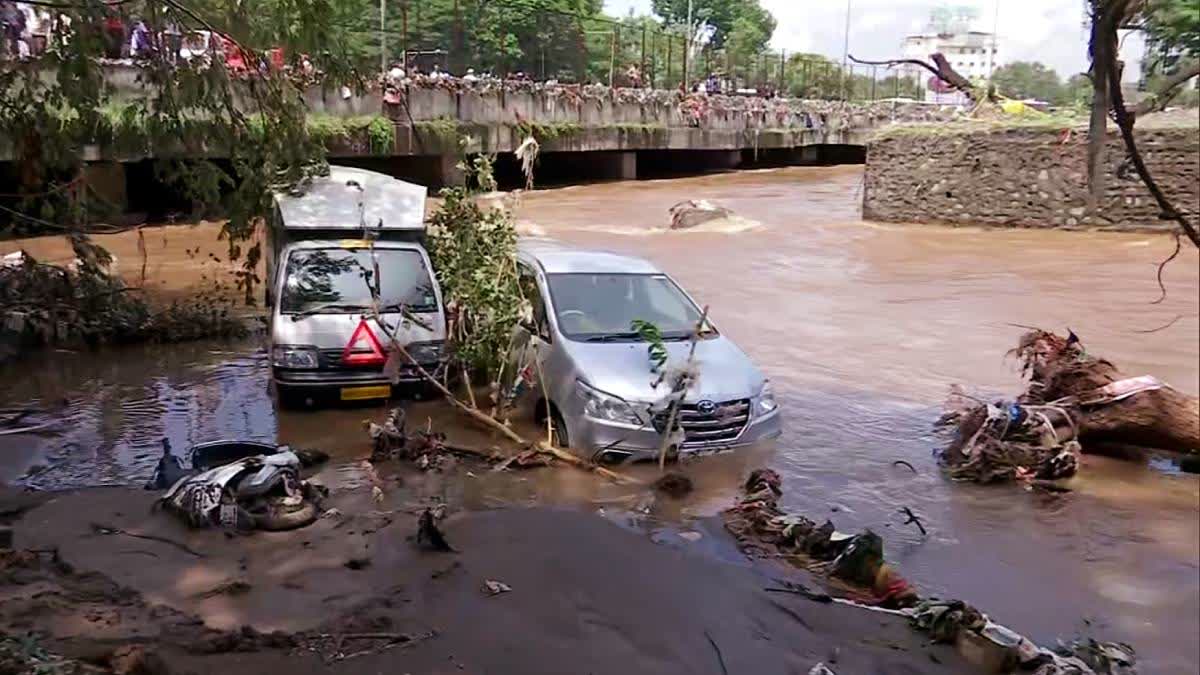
862 327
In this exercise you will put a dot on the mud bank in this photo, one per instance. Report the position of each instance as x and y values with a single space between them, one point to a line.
587 596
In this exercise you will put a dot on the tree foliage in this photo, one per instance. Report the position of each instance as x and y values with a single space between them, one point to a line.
1029 79
1173 26
55 107
473 249
727 18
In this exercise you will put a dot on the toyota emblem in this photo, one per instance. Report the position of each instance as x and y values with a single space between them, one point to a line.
706 407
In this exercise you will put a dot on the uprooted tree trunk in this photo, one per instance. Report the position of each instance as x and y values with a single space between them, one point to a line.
1073 402
1156 416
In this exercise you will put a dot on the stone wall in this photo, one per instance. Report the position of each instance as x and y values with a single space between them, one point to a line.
1026 178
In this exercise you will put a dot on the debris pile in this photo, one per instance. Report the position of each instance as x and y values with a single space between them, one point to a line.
424 448
428 450
762 528
1074 401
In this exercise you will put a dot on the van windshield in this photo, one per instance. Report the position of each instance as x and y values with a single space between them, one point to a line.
339 281
603 307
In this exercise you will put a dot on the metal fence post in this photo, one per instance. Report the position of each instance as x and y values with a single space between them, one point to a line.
644 52
687 47
782 66
667 79
612 55
874 80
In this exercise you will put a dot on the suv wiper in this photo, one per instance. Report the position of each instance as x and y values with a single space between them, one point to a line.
613 337
341 306
402 307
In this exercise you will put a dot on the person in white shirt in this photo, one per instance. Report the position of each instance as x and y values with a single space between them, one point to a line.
396 75
470 77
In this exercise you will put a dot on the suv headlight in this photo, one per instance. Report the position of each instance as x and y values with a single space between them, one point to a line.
599 405
765 403
287 356
426 352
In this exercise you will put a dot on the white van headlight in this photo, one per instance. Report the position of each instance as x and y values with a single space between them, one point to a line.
599 405
286 356
765 403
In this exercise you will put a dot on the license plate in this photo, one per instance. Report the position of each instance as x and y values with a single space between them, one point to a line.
704 452
364 393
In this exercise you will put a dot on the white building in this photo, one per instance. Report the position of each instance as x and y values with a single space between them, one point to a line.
972 54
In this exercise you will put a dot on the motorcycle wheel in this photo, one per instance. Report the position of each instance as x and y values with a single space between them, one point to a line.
276 517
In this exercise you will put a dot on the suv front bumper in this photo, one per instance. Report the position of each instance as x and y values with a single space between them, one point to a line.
616 443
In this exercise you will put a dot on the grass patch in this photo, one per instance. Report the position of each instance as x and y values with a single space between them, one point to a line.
548 131
446 129
965 126
376 132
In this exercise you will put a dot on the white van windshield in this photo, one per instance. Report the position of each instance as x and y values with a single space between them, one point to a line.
340 281
603 307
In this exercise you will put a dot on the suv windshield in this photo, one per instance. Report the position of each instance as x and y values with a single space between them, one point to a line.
603 307
339 281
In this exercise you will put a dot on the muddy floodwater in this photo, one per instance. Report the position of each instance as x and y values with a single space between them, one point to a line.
862 327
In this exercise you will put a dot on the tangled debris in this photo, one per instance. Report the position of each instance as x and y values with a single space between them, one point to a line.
1073 401
429 536
762 528
673 484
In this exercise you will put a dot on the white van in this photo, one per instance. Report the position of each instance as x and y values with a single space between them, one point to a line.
350 237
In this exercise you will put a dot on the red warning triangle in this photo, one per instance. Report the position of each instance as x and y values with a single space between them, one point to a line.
364 337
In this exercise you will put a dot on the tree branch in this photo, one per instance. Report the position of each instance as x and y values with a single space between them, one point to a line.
940 68
1158 99
1125 122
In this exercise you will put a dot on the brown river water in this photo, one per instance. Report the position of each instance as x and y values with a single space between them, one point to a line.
862 327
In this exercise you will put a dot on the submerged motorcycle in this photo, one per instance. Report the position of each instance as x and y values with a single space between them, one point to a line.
239 485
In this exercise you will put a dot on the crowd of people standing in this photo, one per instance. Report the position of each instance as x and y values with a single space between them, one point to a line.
30 30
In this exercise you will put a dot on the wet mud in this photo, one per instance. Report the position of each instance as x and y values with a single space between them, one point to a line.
861 327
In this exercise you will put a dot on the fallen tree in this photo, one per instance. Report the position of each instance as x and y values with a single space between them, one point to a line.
1074 402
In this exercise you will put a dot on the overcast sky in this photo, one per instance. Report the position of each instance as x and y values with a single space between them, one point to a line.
1050 31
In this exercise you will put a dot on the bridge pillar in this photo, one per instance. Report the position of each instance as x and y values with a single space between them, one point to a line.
728 159
808 154
107 180
615 165
449 174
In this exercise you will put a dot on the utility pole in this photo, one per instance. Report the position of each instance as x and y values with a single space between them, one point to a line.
687 46
382 37
845 48
612 56
404 35
995 32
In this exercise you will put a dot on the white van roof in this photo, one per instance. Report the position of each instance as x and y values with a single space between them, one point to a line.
331 203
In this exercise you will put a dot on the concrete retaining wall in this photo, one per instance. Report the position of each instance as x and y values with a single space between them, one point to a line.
1027 178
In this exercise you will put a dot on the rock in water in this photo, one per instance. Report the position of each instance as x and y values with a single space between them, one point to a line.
690 213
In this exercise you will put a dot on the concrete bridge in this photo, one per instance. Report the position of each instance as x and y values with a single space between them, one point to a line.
584 132
612 132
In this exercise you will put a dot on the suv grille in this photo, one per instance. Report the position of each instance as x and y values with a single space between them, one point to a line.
724 422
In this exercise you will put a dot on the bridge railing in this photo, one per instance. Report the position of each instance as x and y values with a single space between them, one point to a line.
532 38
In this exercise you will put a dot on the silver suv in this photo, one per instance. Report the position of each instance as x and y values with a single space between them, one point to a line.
599 390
